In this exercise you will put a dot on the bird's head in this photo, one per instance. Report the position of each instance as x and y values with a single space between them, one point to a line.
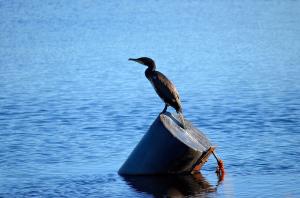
145 61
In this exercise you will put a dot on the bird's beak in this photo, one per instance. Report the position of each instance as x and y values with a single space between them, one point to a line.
136 60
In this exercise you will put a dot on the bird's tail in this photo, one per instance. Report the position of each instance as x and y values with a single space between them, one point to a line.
181 118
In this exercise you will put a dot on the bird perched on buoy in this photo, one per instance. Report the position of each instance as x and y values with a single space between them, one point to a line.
165 89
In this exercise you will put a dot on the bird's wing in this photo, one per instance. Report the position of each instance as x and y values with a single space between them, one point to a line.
166 89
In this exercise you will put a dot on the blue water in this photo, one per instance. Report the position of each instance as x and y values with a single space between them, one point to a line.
72 107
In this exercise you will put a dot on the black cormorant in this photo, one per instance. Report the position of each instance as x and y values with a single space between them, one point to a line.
165 89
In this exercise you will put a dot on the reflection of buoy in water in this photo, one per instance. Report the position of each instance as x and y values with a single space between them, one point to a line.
167 148
171 185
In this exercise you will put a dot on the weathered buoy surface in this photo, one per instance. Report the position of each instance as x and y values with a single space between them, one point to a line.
168 149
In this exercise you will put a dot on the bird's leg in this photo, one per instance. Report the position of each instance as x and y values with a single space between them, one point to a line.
165 109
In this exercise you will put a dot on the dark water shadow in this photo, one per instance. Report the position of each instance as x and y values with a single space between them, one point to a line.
171 185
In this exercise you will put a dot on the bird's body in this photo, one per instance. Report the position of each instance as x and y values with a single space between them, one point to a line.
164 88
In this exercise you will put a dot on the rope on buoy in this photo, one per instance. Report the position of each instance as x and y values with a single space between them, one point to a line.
220 168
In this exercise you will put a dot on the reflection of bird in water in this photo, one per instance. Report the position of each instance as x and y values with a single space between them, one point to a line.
171 185
165 89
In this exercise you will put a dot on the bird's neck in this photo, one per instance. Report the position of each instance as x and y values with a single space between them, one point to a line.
152 67
149 72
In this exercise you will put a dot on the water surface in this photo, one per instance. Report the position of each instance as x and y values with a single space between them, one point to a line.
72 107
